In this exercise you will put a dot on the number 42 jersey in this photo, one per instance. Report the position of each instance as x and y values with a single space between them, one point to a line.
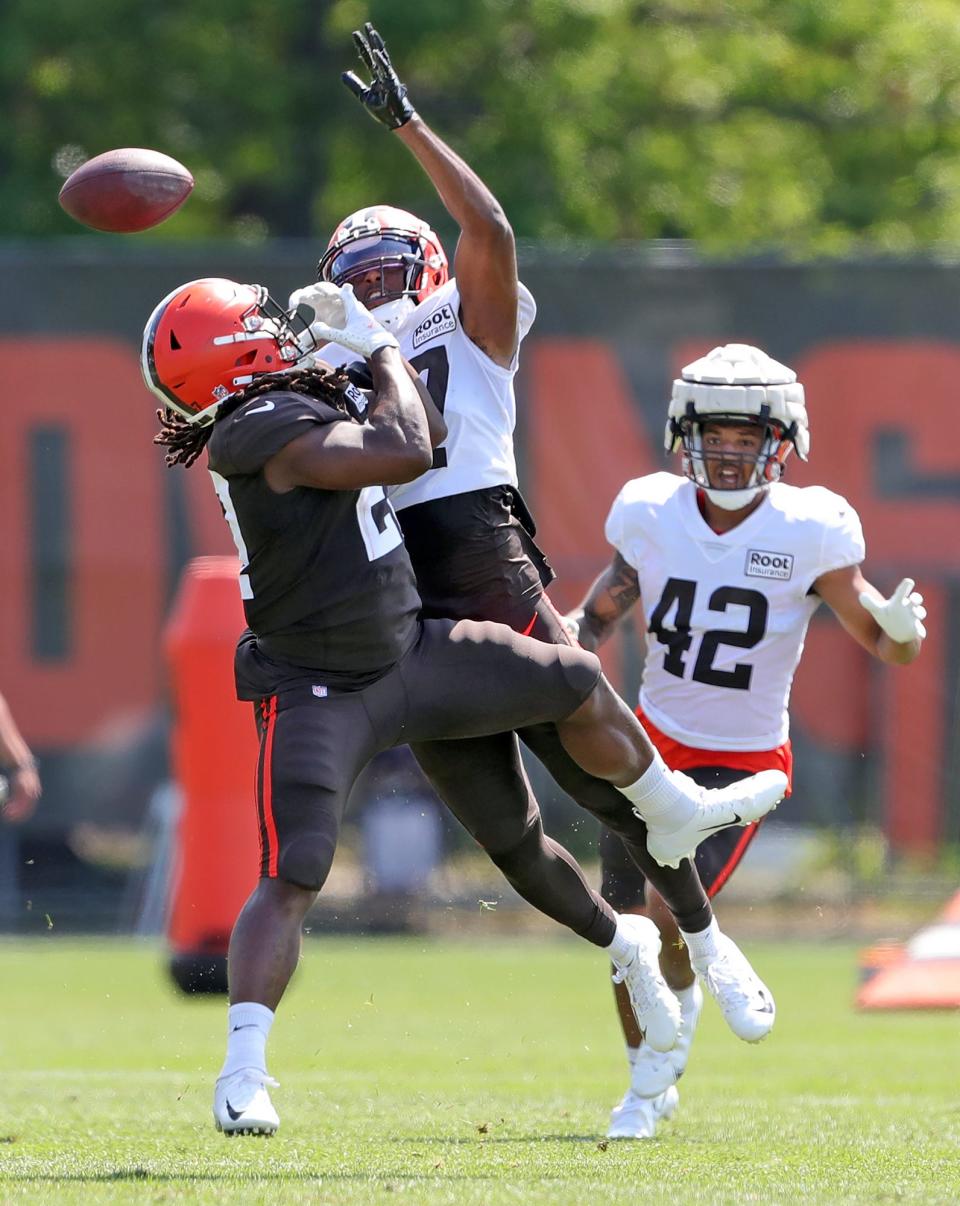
727 614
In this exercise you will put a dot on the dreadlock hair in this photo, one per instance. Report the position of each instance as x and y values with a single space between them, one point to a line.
186 441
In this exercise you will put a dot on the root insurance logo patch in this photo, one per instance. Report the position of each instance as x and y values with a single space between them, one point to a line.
764 564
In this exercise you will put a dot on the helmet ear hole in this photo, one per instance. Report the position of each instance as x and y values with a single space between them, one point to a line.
209 338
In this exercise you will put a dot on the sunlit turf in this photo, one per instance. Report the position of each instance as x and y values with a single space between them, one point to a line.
468 1073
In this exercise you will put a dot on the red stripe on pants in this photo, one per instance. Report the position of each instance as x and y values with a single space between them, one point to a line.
273 849
529 627
736 855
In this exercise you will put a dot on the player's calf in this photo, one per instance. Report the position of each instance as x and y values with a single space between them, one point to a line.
605 738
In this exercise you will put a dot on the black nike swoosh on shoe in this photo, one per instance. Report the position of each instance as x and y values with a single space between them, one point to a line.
234 1114
737 820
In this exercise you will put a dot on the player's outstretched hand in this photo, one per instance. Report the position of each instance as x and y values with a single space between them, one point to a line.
19 795
385 97
334 315
901 616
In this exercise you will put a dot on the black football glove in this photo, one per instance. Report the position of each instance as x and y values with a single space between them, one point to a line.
385 98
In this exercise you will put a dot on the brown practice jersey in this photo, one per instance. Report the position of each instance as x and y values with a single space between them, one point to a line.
325 578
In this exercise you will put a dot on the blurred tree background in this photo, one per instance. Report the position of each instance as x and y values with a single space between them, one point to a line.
806 126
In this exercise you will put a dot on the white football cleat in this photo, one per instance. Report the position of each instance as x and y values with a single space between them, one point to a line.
741 803
655 1071
745 1001
637 1117
655 1007
242 1105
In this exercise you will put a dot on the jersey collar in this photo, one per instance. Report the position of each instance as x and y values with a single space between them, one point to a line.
701 531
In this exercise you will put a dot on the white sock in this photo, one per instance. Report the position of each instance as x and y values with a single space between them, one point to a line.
248 1027
657 799
703 945
686 998
621 948
632 1053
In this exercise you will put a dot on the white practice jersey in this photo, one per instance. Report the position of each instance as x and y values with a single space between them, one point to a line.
474 394
727 614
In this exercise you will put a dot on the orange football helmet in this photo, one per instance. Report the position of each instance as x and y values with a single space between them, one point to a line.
402 247
208 339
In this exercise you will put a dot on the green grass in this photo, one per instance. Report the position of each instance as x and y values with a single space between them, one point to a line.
474 1074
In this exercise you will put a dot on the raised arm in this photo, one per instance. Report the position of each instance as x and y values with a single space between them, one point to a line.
392 445
360 375
606 603
485 262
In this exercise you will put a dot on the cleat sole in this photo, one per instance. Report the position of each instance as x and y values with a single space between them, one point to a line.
264 1132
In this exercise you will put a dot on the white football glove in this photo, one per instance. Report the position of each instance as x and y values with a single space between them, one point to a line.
337 317
901 616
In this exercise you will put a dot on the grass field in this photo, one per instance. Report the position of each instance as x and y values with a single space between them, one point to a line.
471 1074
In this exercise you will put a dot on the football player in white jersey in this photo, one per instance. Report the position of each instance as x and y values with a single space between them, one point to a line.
468 533
728 563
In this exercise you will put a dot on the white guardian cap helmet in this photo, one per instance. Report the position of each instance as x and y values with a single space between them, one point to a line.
738 384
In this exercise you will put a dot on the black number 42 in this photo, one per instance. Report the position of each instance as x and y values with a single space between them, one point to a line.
680 592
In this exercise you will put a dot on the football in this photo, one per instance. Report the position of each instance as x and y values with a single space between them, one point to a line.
126 190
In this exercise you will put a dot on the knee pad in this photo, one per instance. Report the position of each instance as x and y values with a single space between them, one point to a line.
306 860
581 670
